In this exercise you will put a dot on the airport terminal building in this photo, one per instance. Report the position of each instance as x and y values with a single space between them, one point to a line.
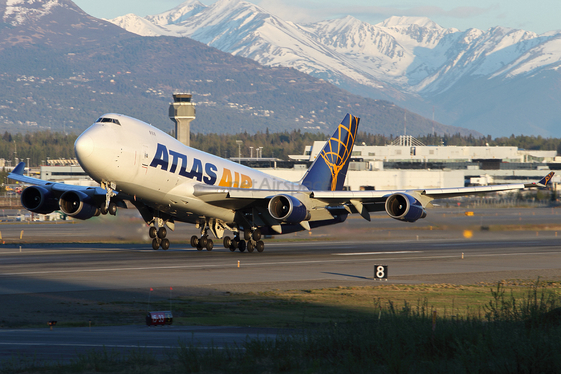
404 164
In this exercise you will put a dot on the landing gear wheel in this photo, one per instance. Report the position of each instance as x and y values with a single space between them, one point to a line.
203 240
152 232
260 246
199 247
194 241
247 234
235 244
256 235
103 209
209 245
241 246
155 244
250 246
112 209
165 244
162 232
227 242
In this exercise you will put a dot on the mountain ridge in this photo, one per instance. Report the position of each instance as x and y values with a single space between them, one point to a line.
65 68
410 60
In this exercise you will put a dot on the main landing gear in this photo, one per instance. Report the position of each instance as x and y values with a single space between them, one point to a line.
204 242
159 238
251 241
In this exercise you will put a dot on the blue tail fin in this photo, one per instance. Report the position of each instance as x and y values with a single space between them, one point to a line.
329 170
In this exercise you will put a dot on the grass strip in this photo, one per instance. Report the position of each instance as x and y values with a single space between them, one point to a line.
512 333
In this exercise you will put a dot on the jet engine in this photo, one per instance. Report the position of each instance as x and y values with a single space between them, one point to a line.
404 207
38 199
287 208
77 204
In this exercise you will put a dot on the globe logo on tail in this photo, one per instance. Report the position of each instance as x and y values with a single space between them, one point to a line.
339 147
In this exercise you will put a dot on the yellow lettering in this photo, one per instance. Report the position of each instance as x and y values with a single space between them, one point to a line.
236 183
226 180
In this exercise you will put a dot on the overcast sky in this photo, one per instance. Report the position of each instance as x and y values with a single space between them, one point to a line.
539 16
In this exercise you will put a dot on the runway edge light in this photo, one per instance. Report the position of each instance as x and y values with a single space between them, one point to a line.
52 323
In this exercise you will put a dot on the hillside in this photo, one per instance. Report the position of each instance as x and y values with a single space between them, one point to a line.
51 80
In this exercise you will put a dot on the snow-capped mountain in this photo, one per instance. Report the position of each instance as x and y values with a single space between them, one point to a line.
18 12
60 68
411 53
410 60
246 30
57 23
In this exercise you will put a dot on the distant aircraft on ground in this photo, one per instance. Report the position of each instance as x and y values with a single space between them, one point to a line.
169 182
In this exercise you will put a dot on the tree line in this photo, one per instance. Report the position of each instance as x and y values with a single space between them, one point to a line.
42 145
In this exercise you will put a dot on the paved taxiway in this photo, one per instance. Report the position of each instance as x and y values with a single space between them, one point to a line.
340 255
63 344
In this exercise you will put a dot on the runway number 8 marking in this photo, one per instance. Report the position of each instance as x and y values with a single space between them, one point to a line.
381 272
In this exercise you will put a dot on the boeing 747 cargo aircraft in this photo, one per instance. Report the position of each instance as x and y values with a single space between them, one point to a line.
169 182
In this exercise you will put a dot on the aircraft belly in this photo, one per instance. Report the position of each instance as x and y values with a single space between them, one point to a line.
175 200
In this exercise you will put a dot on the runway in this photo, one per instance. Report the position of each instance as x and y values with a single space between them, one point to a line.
32 274
69 267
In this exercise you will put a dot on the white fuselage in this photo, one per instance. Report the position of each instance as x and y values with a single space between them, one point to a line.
151 166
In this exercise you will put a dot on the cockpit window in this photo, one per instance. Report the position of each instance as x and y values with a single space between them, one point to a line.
103 119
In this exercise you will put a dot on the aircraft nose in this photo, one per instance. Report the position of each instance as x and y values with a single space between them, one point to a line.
83 147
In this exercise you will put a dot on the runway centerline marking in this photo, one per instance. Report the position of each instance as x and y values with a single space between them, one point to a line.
374 253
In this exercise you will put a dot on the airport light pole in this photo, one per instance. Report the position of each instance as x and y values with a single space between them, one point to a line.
239 151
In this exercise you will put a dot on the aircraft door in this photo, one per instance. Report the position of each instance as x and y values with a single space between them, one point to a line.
144 156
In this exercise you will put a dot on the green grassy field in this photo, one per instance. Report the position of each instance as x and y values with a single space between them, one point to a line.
488 328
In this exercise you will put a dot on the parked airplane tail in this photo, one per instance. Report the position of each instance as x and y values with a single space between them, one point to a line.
329 170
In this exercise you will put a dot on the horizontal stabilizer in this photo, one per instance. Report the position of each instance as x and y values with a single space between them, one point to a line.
542 183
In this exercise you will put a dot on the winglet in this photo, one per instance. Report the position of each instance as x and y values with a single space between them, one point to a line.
543 182
329 170
19 169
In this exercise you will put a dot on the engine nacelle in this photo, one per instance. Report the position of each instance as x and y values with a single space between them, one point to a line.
38 199
404 207
77 204
287 208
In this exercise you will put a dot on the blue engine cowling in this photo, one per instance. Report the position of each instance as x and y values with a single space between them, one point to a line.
287 208
77 204
38 199
404 207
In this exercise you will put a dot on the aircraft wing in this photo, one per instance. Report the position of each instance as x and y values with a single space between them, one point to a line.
81 202
17 175
370 198
361 202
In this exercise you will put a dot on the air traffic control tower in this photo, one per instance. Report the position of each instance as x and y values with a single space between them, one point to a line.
182 112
